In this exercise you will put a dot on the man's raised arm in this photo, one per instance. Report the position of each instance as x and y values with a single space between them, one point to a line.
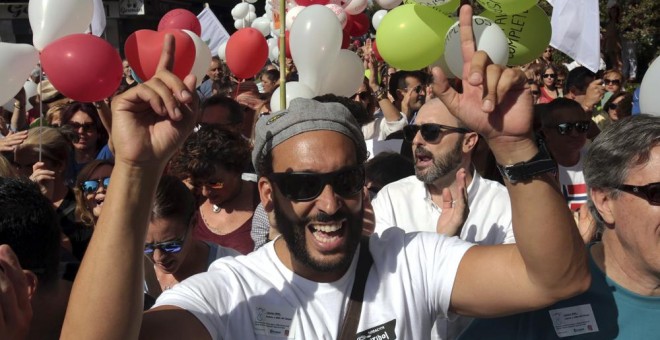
149 122
549 261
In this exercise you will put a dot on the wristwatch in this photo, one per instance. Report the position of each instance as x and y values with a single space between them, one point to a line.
539 164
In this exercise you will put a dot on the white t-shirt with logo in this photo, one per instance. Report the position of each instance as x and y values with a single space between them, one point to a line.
257 297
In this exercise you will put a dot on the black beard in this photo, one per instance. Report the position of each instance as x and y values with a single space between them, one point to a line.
294 235
442 165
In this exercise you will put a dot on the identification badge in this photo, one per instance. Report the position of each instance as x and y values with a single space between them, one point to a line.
380 332
574 320
273 320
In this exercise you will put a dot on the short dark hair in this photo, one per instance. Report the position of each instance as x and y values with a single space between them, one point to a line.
173 200
577 78
234 108
388 167
357 110
398 80
29 225
272 75
556 105
207 149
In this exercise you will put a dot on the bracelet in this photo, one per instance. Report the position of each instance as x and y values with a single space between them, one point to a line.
17 105
380 94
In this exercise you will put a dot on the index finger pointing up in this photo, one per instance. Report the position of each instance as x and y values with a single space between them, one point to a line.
166 61
467 38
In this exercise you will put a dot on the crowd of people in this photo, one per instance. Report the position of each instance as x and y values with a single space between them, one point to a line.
509 203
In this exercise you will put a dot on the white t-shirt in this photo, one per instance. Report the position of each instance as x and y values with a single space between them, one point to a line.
407 204
257 297
572 182
380 128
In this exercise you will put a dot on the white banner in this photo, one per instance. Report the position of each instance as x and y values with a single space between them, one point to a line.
213 33
576 31
98 20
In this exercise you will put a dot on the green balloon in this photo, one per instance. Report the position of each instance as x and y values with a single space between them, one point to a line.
411 37
528 32
446 7
508 6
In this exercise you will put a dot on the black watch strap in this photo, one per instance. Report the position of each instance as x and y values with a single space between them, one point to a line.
539 164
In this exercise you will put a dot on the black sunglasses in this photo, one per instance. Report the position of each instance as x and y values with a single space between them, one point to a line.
417 89
430 132
92 185
306 186
580 127
86 126
170 247
649 192
364 95
612 81
549 75
536 92
612 106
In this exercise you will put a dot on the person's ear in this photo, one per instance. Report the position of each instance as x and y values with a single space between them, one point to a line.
604 203
32 283
266 193
470 141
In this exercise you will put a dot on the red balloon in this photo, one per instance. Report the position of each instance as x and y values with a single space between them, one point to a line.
286 44
345 40
83 67
143 49
180 19
312 2
246 53
374 48
359 24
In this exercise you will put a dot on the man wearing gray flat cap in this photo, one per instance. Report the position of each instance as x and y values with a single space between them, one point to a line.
321 279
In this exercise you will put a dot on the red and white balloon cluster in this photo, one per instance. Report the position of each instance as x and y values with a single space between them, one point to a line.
192 55
81 66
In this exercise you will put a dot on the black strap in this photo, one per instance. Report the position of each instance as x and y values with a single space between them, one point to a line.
354 308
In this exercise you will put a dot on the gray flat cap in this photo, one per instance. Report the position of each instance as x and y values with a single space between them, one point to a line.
305 115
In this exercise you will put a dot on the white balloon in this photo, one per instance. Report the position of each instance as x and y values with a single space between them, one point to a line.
488 37
202 57
354 7
16 63
250 1
51 19
294 89
274 54
345 76
240 11
263 25
377 18
291 16
442 63
388 4
340 13
315 40
649 100
30 88
251 17
251 8
222 49
240 23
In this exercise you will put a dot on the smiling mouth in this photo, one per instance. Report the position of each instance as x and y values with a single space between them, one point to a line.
327 233
99 202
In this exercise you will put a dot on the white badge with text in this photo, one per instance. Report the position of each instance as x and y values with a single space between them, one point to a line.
274 321
574 320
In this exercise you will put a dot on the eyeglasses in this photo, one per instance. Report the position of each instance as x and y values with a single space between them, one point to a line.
306 186
549 75
92 185
612 106
170 247
364 95
580 127
612 81
85 126
430 132
649 192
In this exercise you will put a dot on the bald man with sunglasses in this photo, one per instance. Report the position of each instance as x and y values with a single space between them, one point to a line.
317 281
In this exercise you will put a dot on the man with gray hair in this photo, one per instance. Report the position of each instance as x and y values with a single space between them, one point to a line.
623 301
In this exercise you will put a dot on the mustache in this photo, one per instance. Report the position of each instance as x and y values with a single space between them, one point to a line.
322 217
420 151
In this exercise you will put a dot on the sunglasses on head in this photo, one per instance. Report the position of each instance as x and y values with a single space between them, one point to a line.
306 186
580 127
92 185
85 126
364 95
170 247
612 81
549 75
649 192
430 132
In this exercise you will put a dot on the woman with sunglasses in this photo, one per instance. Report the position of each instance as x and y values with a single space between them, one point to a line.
548 89
90 135
619 106
211 161
91 187
173 254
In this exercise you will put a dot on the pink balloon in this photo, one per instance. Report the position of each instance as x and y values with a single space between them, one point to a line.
180 19
83 67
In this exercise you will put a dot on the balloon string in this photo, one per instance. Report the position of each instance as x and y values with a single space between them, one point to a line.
41 111
238 87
